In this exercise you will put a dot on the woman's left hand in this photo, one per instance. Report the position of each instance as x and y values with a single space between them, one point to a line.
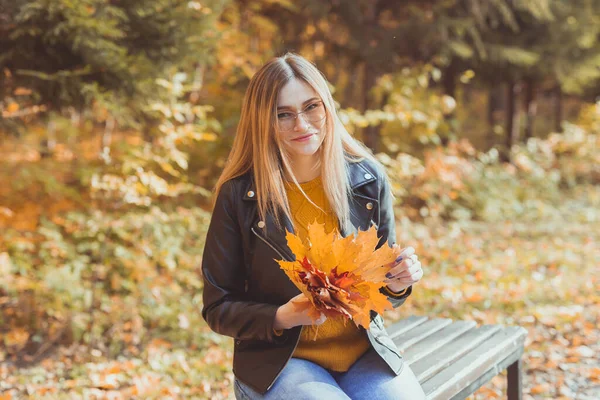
405 271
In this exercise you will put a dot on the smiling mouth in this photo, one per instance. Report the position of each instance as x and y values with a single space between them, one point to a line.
303 137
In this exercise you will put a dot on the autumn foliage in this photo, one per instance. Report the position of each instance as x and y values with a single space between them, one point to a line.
341 276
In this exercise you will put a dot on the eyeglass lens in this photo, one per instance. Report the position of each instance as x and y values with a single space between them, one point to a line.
314 112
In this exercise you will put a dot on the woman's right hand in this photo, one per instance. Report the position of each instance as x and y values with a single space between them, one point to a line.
296 312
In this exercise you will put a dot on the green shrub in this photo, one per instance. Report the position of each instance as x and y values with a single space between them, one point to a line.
108 278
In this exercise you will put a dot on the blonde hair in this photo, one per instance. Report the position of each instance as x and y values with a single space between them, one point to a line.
257 147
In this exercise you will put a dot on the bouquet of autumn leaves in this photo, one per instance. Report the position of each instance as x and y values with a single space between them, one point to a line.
340 276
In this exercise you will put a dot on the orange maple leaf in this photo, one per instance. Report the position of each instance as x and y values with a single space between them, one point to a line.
340 276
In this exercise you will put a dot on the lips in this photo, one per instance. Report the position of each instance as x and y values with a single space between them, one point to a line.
303 137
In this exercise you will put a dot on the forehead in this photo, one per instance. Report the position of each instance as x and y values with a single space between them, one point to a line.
295 93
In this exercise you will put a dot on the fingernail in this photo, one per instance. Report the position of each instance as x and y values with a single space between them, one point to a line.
388 275
399 259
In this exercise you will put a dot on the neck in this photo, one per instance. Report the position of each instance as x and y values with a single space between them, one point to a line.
306 167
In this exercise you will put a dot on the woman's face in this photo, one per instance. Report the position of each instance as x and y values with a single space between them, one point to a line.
302 135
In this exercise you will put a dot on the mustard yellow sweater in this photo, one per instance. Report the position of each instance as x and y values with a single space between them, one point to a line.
337 345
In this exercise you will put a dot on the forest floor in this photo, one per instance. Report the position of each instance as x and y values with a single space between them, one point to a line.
542 274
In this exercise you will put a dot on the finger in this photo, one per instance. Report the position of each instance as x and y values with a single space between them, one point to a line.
401 267
412 279
298 297
301 299
403 256
407 252
405 272
410 261
413 269
417 277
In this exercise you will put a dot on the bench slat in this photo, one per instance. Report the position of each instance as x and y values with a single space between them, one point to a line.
435 342
471 366
488 375
405 325
426 367
419 333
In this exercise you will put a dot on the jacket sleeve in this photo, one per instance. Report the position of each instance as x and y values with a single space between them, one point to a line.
387 231
225 308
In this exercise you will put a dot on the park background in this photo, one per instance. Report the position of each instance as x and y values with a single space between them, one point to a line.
117 117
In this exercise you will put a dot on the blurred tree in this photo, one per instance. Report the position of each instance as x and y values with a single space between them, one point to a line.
369 39
571 51
547 39
108 53
249 36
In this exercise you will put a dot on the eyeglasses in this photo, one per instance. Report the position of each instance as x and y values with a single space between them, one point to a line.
313 113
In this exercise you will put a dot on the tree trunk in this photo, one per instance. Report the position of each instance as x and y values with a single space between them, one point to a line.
48 144
449 84
494 103
371 134
558 109
530 107
350 98
198 83
75 123
512 117
109 127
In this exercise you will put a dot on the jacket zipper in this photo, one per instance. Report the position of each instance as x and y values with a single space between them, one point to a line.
286 361
298 339
270 245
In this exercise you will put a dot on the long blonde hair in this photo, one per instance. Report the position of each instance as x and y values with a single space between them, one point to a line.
257 147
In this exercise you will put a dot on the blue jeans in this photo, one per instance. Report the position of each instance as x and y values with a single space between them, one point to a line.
369 378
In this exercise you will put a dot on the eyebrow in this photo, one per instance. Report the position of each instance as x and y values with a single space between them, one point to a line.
307 101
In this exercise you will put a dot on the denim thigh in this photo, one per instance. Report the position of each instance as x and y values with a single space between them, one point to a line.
370 378
300 379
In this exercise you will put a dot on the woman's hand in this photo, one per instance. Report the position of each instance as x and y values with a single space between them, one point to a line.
405 271
296 312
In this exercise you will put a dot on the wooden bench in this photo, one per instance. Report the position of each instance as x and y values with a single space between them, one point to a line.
453 359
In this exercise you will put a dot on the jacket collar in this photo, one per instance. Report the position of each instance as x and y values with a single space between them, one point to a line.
359 175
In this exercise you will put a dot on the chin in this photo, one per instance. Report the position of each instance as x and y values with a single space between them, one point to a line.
306 150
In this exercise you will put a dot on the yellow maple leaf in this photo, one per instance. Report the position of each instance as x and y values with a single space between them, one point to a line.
340 276
319 251
295 244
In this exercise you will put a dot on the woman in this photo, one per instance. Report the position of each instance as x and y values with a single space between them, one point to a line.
292 163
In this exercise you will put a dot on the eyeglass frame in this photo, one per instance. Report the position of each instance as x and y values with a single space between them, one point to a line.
296 114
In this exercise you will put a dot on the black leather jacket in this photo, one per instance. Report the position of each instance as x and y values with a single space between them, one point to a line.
244 285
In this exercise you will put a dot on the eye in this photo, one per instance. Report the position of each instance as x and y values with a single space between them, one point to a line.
284 115
311 106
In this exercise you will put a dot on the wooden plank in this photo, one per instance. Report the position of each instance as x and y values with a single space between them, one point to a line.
472 366
488 375
430 365
420 332
434 342
405 325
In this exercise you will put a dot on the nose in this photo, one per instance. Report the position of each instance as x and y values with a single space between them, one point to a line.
301 123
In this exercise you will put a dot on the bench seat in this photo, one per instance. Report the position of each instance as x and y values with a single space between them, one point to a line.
452 359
